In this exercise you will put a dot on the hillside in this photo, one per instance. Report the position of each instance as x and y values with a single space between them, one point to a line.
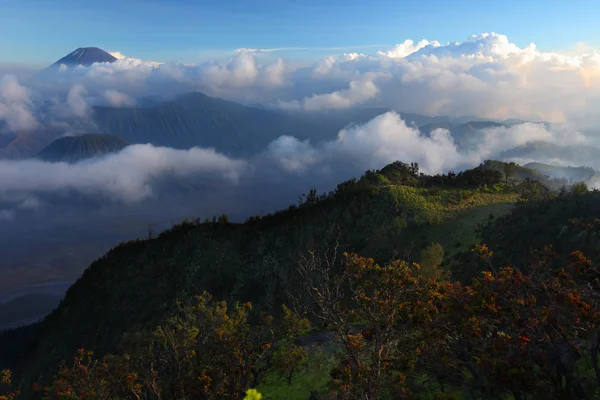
27 144
79 147
138 298
135 285
196 120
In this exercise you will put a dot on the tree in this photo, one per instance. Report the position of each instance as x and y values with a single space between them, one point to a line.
207 350
389 301
430 260
509 170
513 334
90 378
150 232
287 359
579 188
6 391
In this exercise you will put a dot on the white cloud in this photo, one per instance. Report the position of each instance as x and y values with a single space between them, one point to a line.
127 176
118 99
485 75
387 138
406 48
16 107
358 92
76 101
118 55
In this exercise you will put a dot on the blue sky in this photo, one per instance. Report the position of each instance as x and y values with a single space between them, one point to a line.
38 32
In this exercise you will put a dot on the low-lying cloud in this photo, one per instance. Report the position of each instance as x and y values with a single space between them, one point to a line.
387 138
125 177
138 172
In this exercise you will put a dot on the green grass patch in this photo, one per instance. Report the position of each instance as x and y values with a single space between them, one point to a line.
313 376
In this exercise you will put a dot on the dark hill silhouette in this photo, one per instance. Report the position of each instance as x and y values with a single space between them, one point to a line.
79 147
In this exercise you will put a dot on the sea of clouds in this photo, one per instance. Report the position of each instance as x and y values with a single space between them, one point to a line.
486 75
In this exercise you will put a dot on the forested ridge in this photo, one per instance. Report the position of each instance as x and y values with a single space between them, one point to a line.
477 285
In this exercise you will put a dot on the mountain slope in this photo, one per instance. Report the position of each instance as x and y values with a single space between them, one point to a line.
195 119
84 56
27 144
135 285
80 147
199 120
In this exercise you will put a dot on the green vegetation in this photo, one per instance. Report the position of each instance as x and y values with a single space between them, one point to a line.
398 287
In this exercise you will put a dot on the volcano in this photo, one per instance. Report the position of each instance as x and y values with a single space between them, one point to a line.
84 56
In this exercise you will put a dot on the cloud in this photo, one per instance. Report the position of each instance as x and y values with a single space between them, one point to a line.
16 107
387 138
118 55
358 92
126 177
118 99
276 49
77 102
406 48
485 75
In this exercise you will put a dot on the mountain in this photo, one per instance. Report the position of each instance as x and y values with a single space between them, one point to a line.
576 174
577 155
195 119
135 285
84 56
27 143
26 309
75 148
137 301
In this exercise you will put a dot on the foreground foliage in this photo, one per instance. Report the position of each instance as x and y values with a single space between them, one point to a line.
407 328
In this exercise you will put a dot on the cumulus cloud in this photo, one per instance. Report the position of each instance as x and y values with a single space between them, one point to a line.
485 75
118 55
126 177
387 138
406 48
358 92
16 107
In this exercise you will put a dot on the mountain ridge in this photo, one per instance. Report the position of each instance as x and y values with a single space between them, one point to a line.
82 146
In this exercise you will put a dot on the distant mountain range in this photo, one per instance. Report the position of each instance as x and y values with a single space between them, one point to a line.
576 174
79 147
549 152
